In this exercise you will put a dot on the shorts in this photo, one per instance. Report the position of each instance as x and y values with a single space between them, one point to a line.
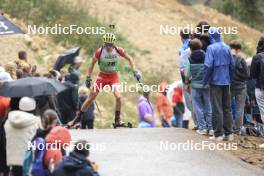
104 79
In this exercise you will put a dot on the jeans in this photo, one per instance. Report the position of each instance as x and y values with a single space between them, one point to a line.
240 99
202 108
260 100
221 110
188 103
177 121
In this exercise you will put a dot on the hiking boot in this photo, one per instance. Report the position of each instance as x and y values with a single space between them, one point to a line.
202 132
229 137
211 132
218 138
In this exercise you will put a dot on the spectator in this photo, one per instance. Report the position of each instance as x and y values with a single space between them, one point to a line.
26 71
22 60
219 67
163 106
4 76
257 72
87 120
77 63
145 111
58 138
20 127
4 107
11 67
200 95
77 164
202 31
43 103
67 100
75 67
34 70
178 107
19 74
54 74
49 121
239 84
184 54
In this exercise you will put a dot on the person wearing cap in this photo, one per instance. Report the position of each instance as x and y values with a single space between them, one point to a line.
21 125
75 66
77 63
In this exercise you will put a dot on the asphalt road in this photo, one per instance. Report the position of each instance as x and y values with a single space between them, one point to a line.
161 152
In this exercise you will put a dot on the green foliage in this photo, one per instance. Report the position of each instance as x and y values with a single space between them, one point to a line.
245 48
247 11
52 12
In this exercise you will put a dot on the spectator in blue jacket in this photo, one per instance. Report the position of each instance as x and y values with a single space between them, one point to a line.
219 67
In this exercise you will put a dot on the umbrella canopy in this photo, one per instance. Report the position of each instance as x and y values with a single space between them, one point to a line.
31 87
8 28
66 58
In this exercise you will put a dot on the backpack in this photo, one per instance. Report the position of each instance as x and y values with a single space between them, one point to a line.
33 163
241 72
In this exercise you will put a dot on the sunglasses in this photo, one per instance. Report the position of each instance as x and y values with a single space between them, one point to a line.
109 45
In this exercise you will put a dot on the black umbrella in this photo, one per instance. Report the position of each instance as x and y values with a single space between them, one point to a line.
66 58
8 28
31 87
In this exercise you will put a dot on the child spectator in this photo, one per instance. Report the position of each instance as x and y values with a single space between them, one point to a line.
200 95
58 138
178 107
49 121
22 60
163 106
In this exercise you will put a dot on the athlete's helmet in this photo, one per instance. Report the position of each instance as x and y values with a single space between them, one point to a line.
109 38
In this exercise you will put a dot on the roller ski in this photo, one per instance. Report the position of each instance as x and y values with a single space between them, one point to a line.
120 124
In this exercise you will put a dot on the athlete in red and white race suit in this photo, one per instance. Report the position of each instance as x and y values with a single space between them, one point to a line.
107 57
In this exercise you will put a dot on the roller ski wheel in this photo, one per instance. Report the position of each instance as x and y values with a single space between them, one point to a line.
122 125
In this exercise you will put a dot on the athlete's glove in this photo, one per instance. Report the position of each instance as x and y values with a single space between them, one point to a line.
88 82
137 75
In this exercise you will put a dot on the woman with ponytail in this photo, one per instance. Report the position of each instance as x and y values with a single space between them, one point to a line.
49 120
